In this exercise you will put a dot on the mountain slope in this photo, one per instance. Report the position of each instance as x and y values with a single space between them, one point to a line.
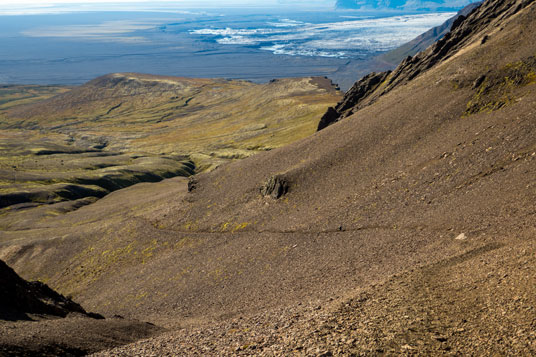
19 298
347 74
375 85
406 228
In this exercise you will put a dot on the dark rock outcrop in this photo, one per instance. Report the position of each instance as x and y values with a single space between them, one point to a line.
192 184
330 117
19 298
275 187
425 40
360 91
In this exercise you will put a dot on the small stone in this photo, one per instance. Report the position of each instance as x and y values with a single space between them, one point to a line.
440 338
462 236
479 81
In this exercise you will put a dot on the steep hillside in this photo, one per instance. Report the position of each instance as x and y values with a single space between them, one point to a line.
406 228
19 298
353 70
367 90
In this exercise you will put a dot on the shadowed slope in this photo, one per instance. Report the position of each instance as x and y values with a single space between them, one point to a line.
63 327
19 298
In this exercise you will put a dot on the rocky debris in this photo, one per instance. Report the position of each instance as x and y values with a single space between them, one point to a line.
18 298
192 184
360 91
276 187
75 335
380 321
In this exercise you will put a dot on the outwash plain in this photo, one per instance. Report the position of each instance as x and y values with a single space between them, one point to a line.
405 226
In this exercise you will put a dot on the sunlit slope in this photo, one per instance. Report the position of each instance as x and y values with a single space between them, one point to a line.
13 95
121 129
180 115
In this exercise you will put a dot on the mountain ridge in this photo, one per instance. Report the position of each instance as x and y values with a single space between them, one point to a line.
425 40
462 28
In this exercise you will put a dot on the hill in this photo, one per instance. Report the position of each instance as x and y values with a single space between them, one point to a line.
118 130
406 227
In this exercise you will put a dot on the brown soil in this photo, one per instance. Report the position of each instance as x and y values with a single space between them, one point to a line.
407 227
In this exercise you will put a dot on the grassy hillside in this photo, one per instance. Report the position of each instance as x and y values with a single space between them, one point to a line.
122 129
13 95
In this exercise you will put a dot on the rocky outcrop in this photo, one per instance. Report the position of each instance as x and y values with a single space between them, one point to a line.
359 92
19 298
275 187
425 40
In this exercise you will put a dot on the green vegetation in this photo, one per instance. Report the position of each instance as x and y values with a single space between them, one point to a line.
498 89
13 95
60 144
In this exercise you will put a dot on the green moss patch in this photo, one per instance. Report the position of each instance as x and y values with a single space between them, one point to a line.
498 89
